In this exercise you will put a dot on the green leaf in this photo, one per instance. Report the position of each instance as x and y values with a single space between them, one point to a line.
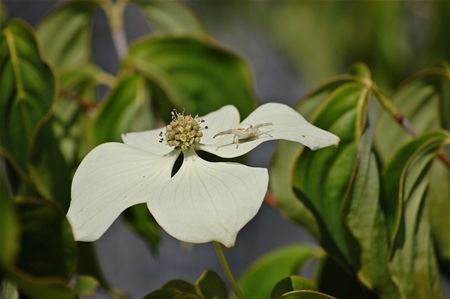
88 265
211 286
180 285
163 294
439 205
27 90
127 108
334 279
425 101
48 169
341 187
9 232
405 181
139 219
194 75
281 170
305 294
86 285
292 283
65 34
322 179
41 288
171 17
47 245
262 275
366 222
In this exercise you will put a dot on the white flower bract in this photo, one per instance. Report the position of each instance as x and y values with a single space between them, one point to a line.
203 201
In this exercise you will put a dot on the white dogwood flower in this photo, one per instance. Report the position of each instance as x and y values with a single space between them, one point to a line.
203 201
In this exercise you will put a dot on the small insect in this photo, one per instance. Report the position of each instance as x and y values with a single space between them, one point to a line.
245 132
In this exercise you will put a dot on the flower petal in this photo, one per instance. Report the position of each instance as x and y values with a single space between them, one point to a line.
285 123
209 201
220 120
148 141
111 178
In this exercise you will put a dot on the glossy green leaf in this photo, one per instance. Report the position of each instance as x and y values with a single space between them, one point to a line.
211 286
405 181
127 108
88 264
439 206
425 102
180 285
86 285
322 179
65 34
47 245
366 222
341 187
306 295
281 170
262 275
48 169
41 288
9 232
194 75
334 279
163 294
292 283
139 219
171 17
27 90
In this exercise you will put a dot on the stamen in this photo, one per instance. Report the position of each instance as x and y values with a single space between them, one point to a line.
184 131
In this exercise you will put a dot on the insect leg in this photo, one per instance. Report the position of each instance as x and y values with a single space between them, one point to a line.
262 125
230 131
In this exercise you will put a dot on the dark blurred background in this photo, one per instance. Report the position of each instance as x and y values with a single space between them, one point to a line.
290 46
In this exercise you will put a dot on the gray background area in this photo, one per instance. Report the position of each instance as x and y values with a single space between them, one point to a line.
125 259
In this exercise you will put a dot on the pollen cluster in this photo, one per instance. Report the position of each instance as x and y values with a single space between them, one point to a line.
183 132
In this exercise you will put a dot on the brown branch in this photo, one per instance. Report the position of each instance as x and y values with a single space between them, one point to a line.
271 200
82 102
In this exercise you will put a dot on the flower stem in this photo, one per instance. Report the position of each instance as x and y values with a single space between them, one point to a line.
227 270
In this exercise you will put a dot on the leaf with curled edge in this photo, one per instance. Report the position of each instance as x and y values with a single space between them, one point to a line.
425 101
405 181
341 185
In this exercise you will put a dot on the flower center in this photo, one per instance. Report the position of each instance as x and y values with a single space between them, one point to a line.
183 132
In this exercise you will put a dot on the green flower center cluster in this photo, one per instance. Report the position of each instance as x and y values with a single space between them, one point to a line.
183 132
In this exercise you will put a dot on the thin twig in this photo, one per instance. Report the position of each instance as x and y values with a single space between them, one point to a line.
82 102
401 119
